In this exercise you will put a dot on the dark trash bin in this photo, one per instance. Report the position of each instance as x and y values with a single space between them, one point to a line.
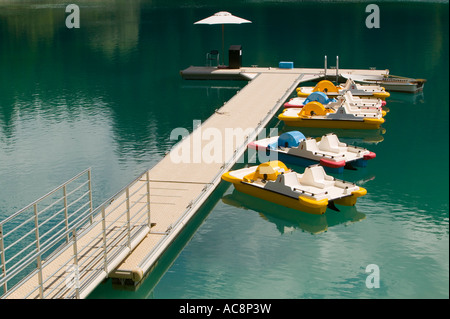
235 56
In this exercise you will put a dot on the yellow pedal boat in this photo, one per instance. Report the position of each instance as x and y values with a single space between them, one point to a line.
311 192
332 90
342 116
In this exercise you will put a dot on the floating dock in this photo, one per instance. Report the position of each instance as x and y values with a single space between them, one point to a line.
249 73
128 234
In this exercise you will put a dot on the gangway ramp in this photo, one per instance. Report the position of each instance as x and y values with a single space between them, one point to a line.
94 241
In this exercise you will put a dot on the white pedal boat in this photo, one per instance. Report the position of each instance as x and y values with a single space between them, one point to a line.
311 192
332 90
293 147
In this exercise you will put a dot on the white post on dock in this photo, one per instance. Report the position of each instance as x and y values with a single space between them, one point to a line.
337 69
105 245
3 259
325 67
38 251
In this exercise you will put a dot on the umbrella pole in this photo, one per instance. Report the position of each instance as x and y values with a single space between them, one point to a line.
223 43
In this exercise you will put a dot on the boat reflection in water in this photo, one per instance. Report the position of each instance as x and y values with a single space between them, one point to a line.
287 220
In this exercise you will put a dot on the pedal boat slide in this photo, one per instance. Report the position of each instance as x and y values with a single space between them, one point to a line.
311 192
294 148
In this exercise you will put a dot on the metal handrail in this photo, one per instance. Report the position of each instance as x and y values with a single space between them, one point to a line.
55 234
17 266
17 227
45 196
80 225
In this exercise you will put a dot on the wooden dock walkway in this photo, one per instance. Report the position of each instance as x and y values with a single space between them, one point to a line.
129 233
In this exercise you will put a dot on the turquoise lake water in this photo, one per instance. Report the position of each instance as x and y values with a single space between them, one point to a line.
108 95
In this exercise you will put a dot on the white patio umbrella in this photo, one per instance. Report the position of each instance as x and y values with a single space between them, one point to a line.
222 18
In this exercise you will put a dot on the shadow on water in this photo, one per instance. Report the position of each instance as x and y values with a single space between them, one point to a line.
287 220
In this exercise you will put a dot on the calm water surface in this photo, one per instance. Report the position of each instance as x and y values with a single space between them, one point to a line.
107 96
